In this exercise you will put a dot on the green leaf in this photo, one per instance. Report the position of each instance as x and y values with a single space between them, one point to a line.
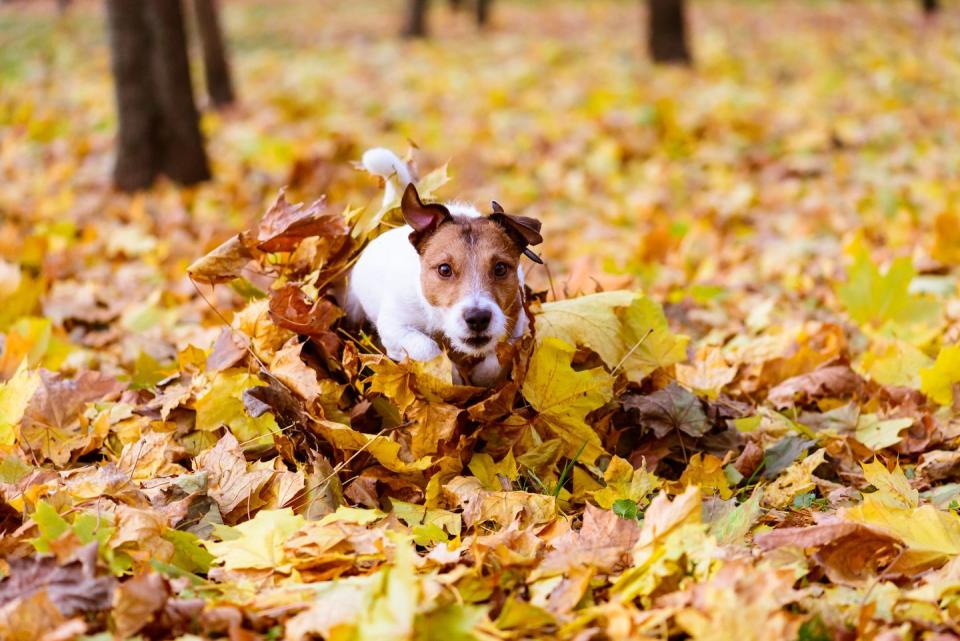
625 509
188 552
51 525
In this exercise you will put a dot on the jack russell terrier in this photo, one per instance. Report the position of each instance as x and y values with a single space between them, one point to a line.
450 277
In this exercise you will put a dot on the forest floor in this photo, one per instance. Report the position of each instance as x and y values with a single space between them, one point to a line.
737 417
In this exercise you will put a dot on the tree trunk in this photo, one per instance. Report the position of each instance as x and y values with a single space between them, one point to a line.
159 130
456 5
667 31
416 19
931 6
483 12
182 157
137 114
215 66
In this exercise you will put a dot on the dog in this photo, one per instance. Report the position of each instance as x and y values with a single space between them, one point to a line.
450 278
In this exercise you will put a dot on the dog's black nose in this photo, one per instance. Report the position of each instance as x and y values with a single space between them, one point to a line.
477 318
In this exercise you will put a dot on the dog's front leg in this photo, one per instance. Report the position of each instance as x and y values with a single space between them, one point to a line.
402 342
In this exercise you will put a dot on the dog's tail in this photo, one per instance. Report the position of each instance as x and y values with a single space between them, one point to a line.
386 164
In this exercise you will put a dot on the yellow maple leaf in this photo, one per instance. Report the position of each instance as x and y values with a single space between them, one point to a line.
893 488
483 467
563 397
796 479
257 543
624 482
893 362
590 321
222 404
708 374
15 394
883 301
627 330
930 535
705 471
648 340
937 381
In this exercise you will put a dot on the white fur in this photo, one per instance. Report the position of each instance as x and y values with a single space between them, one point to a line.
384 288
383 162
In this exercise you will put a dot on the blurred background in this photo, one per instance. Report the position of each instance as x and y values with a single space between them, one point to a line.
707 151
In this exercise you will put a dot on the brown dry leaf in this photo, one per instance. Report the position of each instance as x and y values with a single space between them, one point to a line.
670 409
284 225
604 543
290 308
138 601
503 508
832 381
742 603
224 263
152 456
139 533
30 618
230 483
292 372
938 465
72 588
52 425
433 424
228 351
850 553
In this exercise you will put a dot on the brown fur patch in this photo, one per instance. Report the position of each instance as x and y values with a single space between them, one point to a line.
472 247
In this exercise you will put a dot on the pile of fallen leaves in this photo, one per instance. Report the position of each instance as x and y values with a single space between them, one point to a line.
735 417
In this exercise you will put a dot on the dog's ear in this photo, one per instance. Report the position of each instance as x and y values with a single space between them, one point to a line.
423 218
522 229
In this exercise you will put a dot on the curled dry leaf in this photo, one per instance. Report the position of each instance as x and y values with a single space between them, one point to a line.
224 263
284 225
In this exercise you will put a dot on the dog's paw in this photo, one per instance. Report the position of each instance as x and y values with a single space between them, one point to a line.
416 346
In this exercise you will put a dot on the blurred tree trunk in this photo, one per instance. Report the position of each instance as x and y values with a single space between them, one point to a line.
215 66
416 19
667 31
931 6
483 12
159 130
456 5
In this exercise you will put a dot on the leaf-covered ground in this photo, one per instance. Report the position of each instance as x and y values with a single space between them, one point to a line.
736 417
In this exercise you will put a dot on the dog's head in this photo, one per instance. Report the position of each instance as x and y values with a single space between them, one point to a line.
469 269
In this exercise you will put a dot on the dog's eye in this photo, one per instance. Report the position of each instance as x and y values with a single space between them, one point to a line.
445 270
500 270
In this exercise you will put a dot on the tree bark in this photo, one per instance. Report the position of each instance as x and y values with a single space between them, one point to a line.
667 32
416 19
930 6
138 118
483 12
215 66
158 123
